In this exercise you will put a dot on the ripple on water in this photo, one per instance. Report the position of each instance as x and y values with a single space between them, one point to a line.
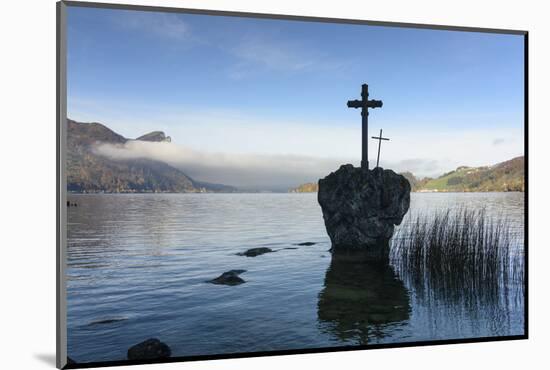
137 266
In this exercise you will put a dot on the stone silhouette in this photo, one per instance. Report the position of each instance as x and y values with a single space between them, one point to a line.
361 208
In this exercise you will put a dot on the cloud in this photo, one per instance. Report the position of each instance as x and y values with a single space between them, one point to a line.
272 55
499 141
418 166
247 171
264 53
315 158
293 150
164 25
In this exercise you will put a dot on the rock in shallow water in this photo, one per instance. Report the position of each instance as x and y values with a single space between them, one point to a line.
361 208
255 252
107 321
229 278
150 349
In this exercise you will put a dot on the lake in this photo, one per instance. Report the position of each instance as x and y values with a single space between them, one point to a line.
138 264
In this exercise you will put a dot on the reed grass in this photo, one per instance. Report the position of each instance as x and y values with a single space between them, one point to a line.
459 254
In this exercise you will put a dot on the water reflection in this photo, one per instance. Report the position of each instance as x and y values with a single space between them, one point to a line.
480 306
361 299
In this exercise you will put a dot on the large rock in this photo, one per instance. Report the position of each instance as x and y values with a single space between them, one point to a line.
361 208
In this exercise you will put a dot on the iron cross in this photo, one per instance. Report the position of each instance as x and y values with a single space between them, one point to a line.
365 104
379 138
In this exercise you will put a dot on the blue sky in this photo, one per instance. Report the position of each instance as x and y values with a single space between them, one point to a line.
241 86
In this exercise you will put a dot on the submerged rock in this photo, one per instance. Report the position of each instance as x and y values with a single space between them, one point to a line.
150 349
361 208
229 278
107 321
255 252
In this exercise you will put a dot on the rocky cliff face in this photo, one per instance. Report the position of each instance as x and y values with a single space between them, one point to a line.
88 171
155 136
361 208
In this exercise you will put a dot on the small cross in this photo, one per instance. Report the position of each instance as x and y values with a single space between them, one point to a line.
379 138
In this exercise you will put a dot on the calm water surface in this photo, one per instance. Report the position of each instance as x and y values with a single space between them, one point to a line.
138 266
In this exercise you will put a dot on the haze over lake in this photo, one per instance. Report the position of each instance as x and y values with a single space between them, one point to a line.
138 266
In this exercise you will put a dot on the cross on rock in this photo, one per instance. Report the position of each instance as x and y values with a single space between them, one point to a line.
379 138
365 104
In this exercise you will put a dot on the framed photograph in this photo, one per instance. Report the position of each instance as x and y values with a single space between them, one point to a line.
234 184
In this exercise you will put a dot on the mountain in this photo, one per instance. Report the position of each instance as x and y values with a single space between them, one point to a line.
415 182
88 171
504 176
155 136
